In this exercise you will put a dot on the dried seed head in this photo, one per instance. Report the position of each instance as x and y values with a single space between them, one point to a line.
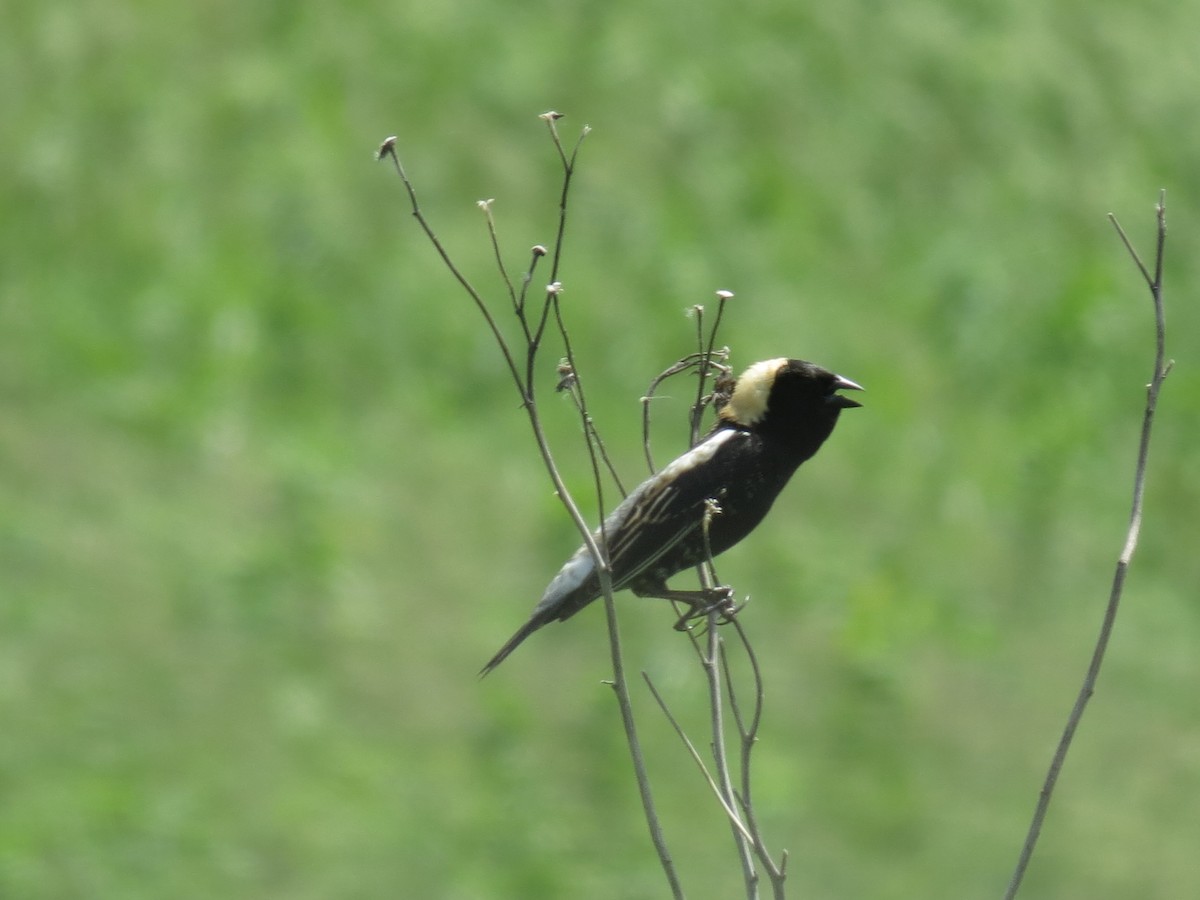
387 147
566 376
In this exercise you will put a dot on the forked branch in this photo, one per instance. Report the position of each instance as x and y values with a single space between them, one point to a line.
533 331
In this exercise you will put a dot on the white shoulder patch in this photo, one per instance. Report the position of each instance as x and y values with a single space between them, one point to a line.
698 455
749 401
652 489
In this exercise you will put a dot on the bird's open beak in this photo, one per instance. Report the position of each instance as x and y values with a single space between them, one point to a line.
844 384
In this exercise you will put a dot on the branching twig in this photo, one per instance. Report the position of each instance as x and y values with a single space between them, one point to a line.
599 551
568 164
711 658
486 206
730 811
567 382
748 730
388 149
711 663
711 653
1161 368
706 355
525 384
690 361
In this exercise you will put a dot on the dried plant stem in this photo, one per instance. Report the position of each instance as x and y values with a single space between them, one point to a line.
620 682
713 671
738 806
748 730
568 164
690 361
388 149
1161 368
711 658
695 754
525 384
711 652
710 661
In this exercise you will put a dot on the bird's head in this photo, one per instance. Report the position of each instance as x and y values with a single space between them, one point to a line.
789 396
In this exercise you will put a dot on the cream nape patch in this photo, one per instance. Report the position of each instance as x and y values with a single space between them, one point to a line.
749 401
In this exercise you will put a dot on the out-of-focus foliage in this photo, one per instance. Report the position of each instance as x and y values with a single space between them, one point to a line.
267 501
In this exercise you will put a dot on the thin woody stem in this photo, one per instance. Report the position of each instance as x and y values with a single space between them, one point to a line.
1161 369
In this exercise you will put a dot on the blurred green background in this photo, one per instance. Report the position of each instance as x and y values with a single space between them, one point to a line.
267 501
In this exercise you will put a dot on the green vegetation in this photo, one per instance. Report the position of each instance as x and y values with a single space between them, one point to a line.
267 502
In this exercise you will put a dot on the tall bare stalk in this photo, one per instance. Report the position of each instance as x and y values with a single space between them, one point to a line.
1161 368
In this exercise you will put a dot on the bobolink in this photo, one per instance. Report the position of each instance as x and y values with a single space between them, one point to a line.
779 414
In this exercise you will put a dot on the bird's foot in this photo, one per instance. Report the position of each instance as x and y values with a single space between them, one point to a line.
703 603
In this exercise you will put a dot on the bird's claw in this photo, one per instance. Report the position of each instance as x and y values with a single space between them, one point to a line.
718 600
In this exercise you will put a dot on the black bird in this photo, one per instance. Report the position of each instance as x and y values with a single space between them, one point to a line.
779 414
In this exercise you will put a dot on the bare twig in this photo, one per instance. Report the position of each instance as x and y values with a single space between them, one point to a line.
536 253
748 730
388 149
568 164
710 659
1161 368
620 687
569 383
486 206
692 360
706 354
711 663
730 811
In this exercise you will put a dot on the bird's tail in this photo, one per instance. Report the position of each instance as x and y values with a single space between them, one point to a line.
536 622
572 589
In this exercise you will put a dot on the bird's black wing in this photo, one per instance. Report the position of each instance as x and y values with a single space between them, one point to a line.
661 512
667 507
